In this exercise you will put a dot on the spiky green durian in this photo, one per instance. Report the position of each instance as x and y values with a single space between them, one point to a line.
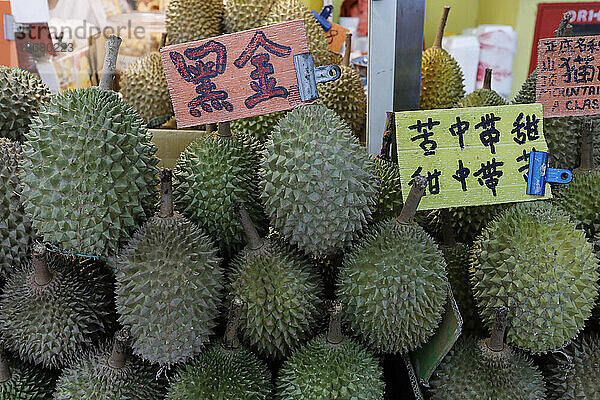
441 77
394 287
389 201
580 199
109 373
484 97
346 96
21 94
465 223
168 286
15 227
331 366
533 260
260 126
289 10
576 377
281 295
317 180
88 171
21 381
54 308
223 374
213 173
471 371
190 20
457 259
241 15
144 87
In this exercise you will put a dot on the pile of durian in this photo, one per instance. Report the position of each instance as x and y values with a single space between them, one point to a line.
277 260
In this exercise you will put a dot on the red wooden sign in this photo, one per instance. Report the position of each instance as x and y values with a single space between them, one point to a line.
568 81
235 76
585 18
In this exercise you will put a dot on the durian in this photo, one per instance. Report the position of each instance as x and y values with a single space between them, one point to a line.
190 20
346 95
573 372
168 286
260 126
317 180
225 371
331 366
281 295
55 308
20 381
289 10
389 199
144 87
213 173
109 373
394 285
486 369
241 15
533 260
484 97
15 228
21 94
441 77
88 171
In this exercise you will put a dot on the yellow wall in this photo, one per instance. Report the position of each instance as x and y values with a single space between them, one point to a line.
463 14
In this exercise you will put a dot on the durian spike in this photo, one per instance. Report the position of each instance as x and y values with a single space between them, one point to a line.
487 80
334 333
587 145
5 373
386 142
412 200
118 355
231 341
166 193
255 242
496 340
440 33
564 27
110 62
348 50
42 274
163 40
224 129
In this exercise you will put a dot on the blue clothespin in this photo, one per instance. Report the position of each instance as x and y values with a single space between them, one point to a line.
540 174
322 17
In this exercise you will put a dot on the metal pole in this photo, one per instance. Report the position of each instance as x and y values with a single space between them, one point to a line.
395 51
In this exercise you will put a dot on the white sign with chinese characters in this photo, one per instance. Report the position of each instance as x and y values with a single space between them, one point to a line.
470 156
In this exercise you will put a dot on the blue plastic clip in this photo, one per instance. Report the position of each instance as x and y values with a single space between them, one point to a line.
540 174
322 17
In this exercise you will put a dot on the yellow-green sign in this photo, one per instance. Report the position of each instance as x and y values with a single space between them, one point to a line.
470 156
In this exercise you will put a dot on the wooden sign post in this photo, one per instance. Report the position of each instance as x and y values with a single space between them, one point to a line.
470 156
568 81
244 74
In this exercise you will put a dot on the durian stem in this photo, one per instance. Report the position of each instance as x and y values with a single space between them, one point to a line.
440 33
5 373
231 341
334 333
348 50
487 80
564 27
496 339
118 355
110 62
448 233
587 145
387 141
166 193
255 242
163 40
224 129
42 274
413 199
210 128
